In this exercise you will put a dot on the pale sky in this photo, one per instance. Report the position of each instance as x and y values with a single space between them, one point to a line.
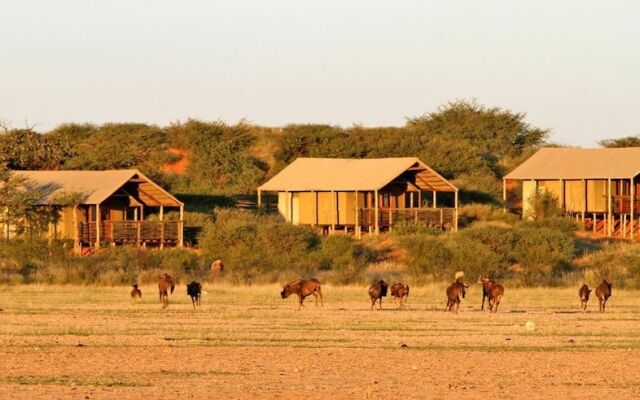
572 66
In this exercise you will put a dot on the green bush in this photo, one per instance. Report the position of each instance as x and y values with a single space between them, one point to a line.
411 228
542 204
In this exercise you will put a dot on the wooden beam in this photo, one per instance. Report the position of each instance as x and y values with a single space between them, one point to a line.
434 199
504 196
181 227
584 194
259 199
161 227
98 225
356 232
287 205
376 209
633 205
334 210
455 204
609 225
562 195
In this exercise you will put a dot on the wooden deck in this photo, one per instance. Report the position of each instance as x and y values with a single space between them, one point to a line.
388 217
132 232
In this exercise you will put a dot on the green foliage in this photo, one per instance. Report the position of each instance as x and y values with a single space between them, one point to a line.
427 255
115 146
38 261
410 228
542 204
629 141
25 149
220 159
463 140
618 263
527 254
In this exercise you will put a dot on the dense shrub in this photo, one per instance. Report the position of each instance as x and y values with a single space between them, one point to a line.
39 261
412 228
527 254
542 204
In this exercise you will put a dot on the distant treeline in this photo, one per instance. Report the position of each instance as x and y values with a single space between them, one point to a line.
471 144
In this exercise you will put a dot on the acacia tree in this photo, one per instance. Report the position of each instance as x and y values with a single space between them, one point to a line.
628 141
22 149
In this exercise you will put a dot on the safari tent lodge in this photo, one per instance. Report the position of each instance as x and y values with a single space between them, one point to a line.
363 195
598 187
113 207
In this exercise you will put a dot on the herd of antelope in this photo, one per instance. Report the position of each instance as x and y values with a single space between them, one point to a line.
492 291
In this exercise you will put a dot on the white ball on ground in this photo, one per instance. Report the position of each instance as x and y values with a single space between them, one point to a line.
530 326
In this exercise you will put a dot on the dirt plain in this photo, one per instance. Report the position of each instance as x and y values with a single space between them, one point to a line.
72 342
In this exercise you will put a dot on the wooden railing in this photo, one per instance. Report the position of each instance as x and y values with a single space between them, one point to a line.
621 204
160 232
440 217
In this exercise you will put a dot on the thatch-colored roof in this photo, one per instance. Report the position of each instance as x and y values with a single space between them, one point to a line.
97 186
572 163
339 174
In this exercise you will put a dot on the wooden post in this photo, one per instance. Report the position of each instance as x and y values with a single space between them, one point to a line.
142 212
584 203
259 199
356 232
76 233
420 199
595 222
315 207
181 227
609 225
390 218
376 210
98 218
504 196
633 206
334 211
161 227
442 217
562 195
287 206
434 198
455 205
624 225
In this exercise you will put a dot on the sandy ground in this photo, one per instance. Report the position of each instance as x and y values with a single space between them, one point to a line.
79 343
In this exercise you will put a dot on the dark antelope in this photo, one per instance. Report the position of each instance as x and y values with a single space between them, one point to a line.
584 293
377 291
136 294
603 292
455 293
400 291
194 289
303 288
165 283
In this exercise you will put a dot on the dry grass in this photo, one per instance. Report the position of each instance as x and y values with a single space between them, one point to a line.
64 341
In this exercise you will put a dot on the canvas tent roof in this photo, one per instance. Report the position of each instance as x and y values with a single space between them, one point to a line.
339 174
96 185
573 163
